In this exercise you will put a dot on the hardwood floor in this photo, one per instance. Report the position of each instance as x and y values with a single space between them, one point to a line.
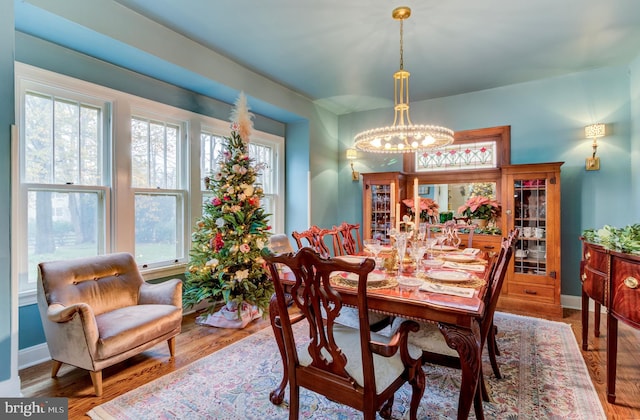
197 341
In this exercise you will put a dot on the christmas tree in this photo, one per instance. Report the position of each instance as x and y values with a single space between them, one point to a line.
225 262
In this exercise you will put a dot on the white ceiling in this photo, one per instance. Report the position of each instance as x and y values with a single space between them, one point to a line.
343 53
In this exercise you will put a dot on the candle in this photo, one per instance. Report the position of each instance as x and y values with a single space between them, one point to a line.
393 199
416 202
398 217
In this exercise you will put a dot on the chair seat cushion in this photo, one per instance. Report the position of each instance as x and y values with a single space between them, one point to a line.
386 369
122 329
428 338
349 317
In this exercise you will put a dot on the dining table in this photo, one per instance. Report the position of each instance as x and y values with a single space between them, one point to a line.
458 315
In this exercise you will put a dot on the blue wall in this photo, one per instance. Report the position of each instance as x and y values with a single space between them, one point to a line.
7 312
547 120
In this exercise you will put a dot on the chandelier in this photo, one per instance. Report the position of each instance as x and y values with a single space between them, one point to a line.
403 136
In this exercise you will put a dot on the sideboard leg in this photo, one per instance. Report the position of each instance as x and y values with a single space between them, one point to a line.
596 319
585 320
612 356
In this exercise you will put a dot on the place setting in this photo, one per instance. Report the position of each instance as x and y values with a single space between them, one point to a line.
375 280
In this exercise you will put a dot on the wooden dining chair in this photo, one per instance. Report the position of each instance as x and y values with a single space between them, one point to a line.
317 238
431 340
349 238
350 366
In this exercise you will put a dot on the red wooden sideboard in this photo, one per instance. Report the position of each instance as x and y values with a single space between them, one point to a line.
611 279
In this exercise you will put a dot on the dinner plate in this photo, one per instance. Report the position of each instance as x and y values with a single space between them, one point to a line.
373 278
409 282
449 275
350 258
461 258
444 248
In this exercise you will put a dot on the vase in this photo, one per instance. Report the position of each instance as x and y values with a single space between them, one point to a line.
481 223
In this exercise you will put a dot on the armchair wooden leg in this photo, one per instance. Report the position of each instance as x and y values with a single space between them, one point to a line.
55 368
172 346
96 378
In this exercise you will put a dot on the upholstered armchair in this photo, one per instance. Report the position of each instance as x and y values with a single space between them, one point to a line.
99 311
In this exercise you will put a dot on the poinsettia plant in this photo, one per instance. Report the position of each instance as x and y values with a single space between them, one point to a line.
428 208
480 207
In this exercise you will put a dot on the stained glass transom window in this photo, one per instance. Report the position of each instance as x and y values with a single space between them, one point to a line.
457 157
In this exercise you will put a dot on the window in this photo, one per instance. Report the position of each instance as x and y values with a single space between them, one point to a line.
266 152
478 155
63 193
157 184
103 171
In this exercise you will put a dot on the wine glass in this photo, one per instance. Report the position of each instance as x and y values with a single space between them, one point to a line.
374 246
417 252
422 230
440 237
430 243
401 247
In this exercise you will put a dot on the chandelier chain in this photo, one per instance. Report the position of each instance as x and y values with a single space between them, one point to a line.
401 44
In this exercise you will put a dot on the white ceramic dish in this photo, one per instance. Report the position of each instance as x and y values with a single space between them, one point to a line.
449 275
433 263
373 278
350 259
461 258
409 282
444 248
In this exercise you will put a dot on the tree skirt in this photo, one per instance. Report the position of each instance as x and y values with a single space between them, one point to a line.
544 377
229 317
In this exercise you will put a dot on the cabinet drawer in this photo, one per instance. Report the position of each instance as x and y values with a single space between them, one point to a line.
596 258
594 284
532 291
487 243
625 299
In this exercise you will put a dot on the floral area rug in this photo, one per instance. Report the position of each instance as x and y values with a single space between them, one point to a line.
544 377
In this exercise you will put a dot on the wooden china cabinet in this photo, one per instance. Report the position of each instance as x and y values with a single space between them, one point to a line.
531 203
529 195
382 193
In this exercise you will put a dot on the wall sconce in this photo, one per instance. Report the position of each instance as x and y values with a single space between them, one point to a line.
351 156
594 131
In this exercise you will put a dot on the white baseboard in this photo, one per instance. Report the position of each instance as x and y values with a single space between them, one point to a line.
33 355
10 388
575 302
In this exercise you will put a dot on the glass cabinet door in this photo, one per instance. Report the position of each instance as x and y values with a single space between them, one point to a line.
382 193
530 217
381 205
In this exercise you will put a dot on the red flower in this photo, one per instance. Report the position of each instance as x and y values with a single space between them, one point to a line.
216 201
467 151
226 198
218 243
